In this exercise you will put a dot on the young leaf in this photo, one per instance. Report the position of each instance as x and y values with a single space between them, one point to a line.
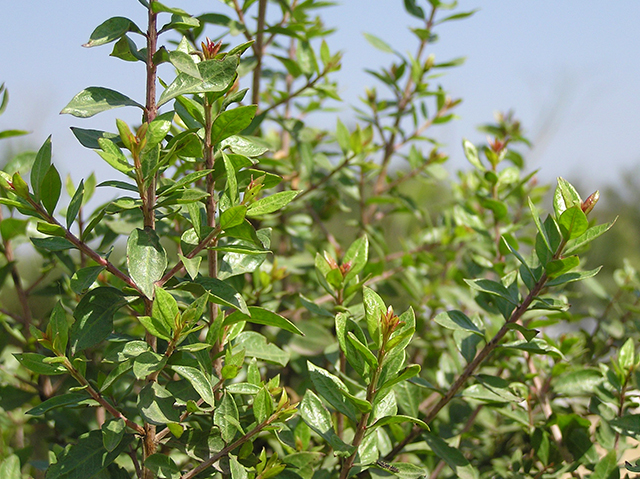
165 308
356 256
199 380
573 223
374 308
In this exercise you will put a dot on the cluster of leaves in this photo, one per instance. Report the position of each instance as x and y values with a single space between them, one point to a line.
229 314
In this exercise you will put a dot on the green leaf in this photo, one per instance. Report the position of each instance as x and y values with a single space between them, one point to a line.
492 287
217 76
232 181
378 43
147 363
357 256
363 350
111 30
155 404
307 58
573 276
316 416
626 355
226 417
222 293
94 317
262 405
94 100
75 204
557 267
344 327
406 373
535 346
587 237
607 467
146 259
112 433
184 63
41 167
565 196
232 122
192 265
68 400
12 227
457 320
471 153
580 382
161 464
330 388
573 223
58 329
89 138
183 181
259 315
413 9
271 203
52 244
256 346
84 278
38 364
165 308
10 467
50 189
156 327
453 457
397 419
243 145
374 308
86 458
233 216
200 382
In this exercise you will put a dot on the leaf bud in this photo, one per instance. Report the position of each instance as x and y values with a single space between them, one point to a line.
210 49
588 204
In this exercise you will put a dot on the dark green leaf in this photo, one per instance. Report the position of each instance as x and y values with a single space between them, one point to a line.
573 276
155 404
75 204
93 100
111 30
457 320
84 278
41 167
94 317
64 400
52 244
36 363
453 457
86 458
112 433
50 189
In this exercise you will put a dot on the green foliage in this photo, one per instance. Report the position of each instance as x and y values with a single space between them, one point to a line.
231 316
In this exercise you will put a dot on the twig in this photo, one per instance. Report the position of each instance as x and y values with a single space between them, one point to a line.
473 365
216 457
259 49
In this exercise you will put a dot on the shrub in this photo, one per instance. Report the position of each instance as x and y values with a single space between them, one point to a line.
230 313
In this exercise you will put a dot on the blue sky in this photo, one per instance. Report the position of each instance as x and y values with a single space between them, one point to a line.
569 69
